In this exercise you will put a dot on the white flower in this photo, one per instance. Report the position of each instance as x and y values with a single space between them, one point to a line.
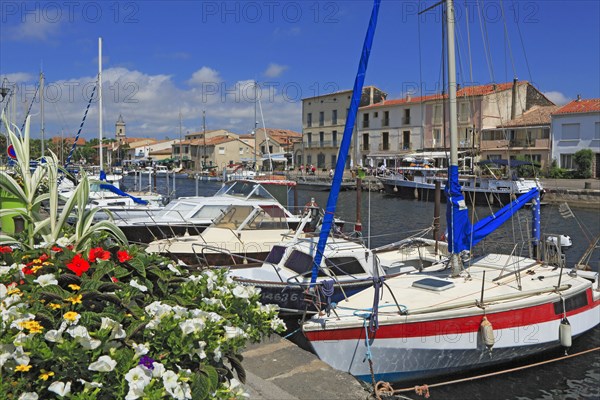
4 357
138 286
89 385
158 309
20 356
268 308
180 312
117 331
169 379
211 279
138 378
158 370
134 393
180 392
8 269
233 332
174 270
60 388
140 349
276 323
29 396
193 325
213 302
63 242
200 351
218 355
103 364
241 292
45 280
82 336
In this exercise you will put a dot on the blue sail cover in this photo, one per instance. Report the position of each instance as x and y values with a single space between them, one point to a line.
345 144
492 222
118 191
457 214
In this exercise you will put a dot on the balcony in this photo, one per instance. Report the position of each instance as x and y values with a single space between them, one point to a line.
364 147
385 122
384 147
407 146
365 124
405 120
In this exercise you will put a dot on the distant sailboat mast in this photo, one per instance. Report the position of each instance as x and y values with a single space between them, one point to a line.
100 101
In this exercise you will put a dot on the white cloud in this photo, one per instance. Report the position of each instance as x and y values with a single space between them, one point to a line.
275 70
36 26
205 75
18 77
150 105
557 98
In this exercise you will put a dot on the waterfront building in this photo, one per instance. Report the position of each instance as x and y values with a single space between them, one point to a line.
576 126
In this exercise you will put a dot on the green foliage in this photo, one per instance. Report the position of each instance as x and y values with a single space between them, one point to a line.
82 328
583 160
555 172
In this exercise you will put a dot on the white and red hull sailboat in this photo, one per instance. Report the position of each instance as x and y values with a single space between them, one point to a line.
464 312
440 332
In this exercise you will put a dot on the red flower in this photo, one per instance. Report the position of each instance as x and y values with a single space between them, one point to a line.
78 265
123 256
98 253
57 249
27 271
70 247
6 249
114 279
44 257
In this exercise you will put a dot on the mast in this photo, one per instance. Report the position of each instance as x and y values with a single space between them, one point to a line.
204 137
42 110
452 84
180 152
255 126
100 101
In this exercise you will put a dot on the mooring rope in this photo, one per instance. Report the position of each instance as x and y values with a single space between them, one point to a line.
385 389
68 160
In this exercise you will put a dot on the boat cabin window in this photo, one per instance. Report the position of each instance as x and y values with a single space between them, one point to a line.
572 303
233 217
299 262
178 209
246 190
344 266
276 254
209 212
262 219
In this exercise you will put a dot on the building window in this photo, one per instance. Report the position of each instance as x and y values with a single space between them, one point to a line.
463 112
386 119
334 117
437 137
320 160
221 150
534 158
309 120
309 159
365 123
570 132
375 114
334 138
321 118
241 150
406 117
333 160
406 140
566 161
494 157
437 114
597 131
321 139
270 149
262 149
365 141
385 145
309 138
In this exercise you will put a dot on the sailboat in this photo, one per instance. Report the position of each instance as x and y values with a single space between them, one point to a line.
463 313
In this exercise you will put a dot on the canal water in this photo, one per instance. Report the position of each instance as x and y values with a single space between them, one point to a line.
386 219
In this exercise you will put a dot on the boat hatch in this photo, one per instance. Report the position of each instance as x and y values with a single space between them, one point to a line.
570 304
433 284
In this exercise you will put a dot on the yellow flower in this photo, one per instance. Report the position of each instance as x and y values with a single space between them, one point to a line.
22 368
75 300
54 306
37 261
47 263
32 326
25 257
14 291
36 268
44 376
73 286
71 316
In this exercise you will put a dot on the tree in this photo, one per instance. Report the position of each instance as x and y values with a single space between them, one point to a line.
583 159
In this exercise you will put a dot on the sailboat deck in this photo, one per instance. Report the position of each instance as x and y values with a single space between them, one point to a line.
510 282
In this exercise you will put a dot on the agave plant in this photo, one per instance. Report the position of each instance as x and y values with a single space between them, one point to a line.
48 229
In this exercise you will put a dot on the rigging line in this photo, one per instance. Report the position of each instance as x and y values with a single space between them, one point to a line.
507 38
469 45
485 40
266 136
522 42
30 105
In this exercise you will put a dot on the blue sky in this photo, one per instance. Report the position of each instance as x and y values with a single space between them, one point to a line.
161 58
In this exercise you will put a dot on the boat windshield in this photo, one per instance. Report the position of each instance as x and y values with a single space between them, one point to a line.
233 217
178 209
245 190
210 212
268 217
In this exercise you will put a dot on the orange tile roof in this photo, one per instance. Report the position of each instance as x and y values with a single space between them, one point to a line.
479 90
580 106
537 115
